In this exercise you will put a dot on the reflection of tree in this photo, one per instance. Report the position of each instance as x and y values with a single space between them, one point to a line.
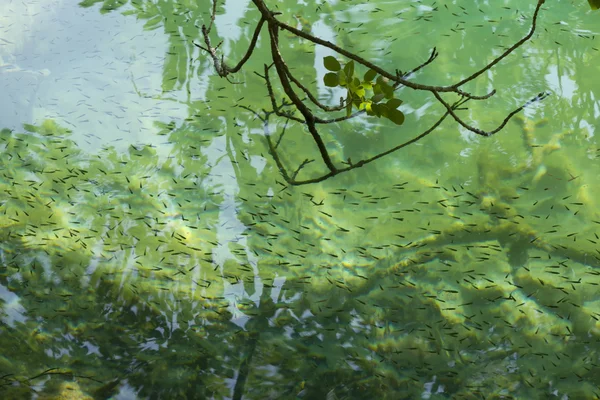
113 270
121 226
448 305
348 291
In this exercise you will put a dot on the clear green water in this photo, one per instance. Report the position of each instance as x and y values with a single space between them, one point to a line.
150 251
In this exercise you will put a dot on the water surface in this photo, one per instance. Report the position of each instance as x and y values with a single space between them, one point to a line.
150 248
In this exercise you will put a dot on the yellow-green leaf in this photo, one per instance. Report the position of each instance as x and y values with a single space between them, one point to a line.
594 4
360 92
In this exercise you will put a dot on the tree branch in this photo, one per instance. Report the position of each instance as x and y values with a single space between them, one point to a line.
286 78
539 97
223 69
312 97
400 79
304 110
509 50
432 57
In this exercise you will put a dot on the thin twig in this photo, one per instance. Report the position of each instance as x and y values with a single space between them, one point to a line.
432 57
276 109
282 133
212 15
509 50
371 159
222 68
539 97
400 79
313 98
305 162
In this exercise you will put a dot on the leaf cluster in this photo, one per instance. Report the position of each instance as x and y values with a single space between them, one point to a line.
373 93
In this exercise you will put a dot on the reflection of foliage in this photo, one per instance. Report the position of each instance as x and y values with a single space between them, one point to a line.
178 20
349 291
329 292
69 220
355 89
107 5
478 305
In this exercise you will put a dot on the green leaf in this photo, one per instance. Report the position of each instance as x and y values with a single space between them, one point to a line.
387 90
395 116
331 79
594 4
393 103
378 97
349 69
349 104
383 110
377 109
360 92
351 84
331 63
383 88
342 78
370 75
